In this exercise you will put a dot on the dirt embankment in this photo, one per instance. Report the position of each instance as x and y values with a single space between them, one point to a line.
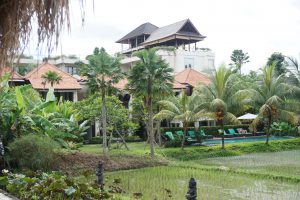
76 163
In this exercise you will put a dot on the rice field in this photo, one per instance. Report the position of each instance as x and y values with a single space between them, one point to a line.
216 180
285 163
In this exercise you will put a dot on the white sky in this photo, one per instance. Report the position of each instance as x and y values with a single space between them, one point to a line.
259 27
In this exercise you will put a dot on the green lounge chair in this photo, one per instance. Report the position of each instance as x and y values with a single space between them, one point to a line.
227 134
179 133
170 136
192 134
188 138
202 134
232 132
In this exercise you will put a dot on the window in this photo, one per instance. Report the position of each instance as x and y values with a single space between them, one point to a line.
188 62
71 70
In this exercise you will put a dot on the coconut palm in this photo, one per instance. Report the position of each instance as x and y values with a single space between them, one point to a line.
275 96
51 77
183 108
150 77
16 24
221 97
102 72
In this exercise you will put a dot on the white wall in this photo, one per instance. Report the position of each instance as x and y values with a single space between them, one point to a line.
203 61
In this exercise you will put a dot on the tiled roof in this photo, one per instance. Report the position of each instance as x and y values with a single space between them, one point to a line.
191 77
172 29
177 85
144 29
68 82
14 75
121 84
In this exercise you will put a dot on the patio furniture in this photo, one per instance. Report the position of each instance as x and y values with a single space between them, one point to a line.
189 139
243 132
226 134
169 135
202 134
232 132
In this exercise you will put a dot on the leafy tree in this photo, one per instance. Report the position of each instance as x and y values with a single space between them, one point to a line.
277 59
149 78
183 108
221 98
102 72
51 77
238 57
117 114
276 99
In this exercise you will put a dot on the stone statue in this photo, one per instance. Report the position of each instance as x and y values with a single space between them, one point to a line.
192 192
99 173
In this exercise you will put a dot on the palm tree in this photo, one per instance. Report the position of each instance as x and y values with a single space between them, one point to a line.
16 24
102 72
183 108
276 99
51 77
220 97
150 77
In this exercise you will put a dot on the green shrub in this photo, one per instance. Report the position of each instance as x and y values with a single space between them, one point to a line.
52 186
173 143
33 152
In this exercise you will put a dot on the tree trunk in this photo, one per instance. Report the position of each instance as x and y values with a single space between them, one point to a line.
150 126
184 134
103 115
159 133
223 142
268 130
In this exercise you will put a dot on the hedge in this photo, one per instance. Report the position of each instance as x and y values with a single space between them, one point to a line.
209 130
98 139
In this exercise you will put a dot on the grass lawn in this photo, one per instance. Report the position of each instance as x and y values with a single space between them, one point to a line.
242 171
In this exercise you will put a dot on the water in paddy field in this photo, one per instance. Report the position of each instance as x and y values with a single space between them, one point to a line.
246 139
154 182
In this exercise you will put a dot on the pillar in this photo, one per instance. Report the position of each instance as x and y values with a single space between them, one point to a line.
75 96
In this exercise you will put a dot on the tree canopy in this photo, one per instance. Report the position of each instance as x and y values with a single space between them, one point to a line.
238 57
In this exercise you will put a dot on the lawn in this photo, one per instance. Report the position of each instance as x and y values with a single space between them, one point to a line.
242 171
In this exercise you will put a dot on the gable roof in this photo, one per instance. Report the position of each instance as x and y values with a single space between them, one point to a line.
144 29
191 77
68 82
14 76
172 29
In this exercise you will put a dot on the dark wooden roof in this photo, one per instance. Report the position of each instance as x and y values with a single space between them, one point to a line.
182 28
144 29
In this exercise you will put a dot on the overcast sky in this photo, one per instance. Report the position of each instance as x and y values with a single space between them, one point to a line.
259 27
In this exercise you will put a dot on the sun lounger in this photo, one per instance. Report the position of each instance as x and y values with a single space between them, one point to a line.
192 134
243 132
232 132
226 134
188 138
202 134
169 135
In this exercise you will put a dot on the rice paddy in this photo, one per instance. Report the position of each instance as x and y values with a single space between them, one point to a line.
218 178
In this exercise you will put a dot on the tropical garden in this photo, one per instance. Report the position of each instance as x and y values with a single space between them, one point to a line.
46 153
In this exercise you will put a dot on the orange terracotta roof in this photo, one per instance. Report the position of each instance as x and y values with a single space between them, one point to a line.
177 85
191 77
68 82
13 75
121 84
